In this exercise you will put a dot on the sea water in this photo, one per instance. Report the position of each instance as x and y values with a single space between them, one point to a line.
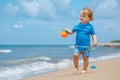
20 61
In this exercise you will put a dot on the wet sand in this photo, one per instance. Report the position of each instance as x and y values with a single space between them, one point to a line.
106 70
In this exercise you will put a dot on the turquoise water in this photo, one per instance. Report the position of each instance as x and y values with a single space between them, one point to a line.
19 61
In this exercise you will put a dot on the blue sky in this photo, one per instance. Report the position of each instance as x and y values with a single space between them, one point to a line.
40 21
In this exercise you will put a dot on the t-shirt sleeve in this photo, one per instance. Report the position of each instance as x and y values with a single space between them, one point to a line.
92 32
74 29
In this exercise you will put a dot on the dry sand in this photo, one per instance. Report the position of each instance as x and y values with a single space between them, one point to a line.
106 70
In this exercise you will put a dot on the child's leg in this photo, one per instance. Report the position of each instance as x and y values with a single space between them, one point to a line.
75 61
86 61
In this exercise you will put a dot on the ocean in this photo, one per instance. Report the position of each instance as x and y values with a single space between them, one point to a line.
21 61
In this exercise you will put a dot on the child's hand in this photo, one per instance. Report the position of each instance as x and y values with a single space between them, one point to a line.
95 43
68 31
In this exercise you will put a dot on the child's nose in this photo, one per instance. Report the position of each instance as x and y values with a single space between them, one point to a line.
81 18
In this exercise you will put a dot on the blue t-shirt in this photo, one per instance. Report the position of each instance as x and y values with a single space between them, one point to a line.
83 34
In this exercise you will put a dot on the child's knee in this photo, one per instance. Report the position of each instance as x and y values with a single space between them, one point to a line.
76 55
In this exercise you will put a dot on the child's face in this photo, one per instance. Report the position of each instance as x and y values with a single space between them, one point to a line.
84 18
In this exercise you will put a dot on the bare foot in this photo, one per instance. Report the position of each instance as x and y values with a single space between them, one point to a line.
75 70
83 72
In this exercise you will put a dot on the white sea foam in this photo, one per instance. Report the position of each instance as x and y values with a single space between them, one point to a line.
27 60
33 67
41 58
5 51
71 46
45 58
27 68
44 66
106 57
64 64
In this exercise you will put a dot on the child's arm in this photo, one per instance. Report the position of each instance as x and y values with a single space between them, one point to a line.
94 40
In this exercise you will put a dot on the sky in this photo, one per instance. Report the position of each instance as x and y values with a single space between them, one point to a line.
41 21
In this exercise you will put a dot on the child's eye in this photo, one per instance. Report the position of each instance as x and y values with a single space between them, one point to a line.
82 16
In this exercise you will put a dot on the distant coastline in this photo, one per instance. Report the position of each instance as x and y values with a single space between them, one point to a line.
112 44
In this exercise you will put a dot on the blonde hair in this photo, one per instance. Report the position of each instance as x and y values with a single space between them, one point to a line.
87 11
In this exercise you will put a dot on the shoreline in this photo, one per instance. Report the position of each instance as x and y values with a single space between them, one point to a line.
106 70
110 44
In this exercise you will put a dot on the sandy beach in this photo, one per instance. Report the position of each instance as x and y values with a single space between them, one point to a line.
106 70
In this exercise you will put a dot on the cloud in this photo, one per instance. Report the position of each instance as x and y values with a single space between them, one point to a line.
110 8
113 26
64 10
39 8
47 9
109 27
10 9
62 6
112 29
17 26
